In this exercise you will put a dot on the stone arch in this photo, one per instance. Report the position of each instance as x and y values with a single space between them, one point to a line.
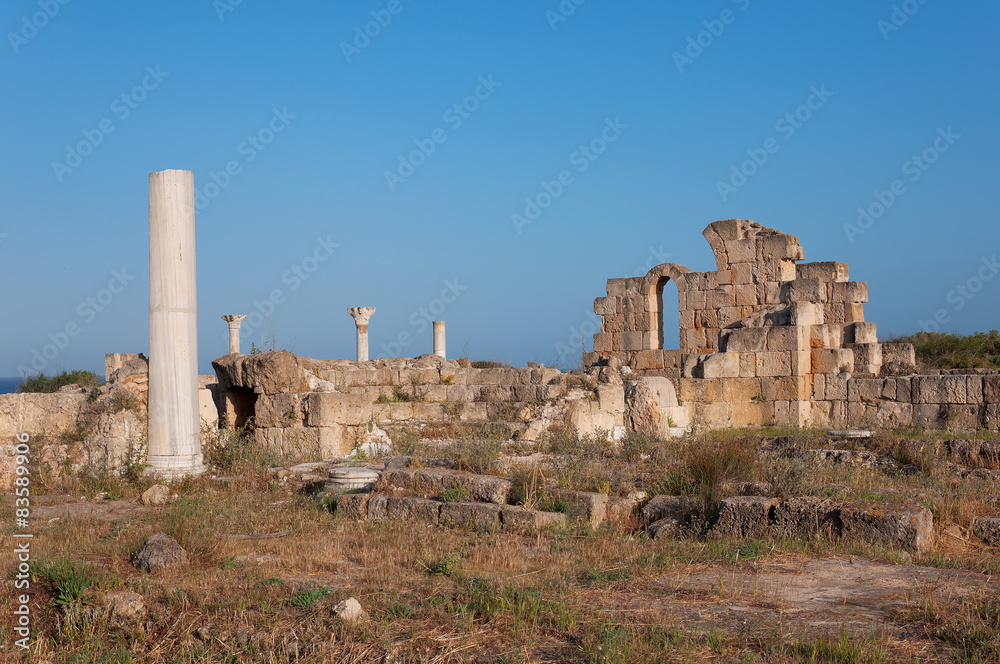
653 284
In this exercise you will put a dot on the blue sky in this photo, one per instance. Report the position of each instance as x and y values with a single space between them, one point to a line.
309 114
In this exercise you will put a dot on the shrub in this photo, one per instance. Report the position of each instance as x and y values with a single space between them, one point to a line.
124 399
713 463
68 580
454 495
955 351
46 384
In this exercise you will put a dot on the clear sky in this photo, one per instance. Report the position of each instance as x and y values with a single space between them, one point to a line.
614 131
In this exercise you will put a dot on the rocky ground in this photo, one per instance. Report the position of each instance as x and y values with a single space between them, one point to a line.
270 561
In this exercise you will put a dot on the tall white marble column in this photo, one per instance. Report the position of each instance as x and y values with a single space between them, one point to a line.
361 315
439 349
174 424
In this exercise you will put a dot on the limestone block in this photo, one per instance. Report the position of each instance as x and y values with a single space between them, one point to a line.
662 506
849 291
723 296
801 362
772 292
791 388
333 408
907 526
670 526
854 312
746 295
378 507
963 417
804 290
826 336
605 305
838 413
719 365
903 356
929 415
821 414
782 270
742 273
819 387
788 338
353 505
824 271
613 323
647 401
616 287
865 333
868 390
747 340
774 364
712 415
832 360
987 530
904 390
632 341
941 389
991 389
40 414
481 516
742 251
702 389
807 313
748 365
694 339
708 318
799 413
808 517
279 410
744 517
611 398
833 314
893 414
742 389
974 390
837 386
409 508
586 506
602 342
867 358
519 519
751 413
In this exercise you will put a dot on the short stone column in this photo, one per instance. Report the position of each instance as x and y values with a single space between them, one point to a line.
361 316
234 321
439 339
174 422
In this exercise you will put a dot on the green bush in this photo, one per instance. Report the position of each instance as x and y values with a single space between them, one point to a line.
955 351
46 384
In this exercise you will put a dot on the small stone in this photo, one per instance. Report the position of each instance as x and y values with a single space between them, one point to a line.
156 495
161 551
125 605
349 610
204 633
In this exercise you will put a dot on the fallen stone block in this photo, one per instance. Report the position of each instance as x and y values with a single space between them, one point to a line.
670 526
522 520
744 516
809 516
987 530
409 508
470 515
586 506
663 506
378 507
906 526
353 505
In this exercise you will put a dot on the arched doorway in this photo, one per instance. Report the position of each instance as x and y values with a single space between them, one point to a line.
663 284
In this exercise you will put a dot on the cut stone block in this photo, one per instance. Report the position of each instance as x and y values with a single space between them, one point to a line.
904 526
409 508
804 290
987 530
353 505
747 340
806 517
744 516
586 506
662 506
333 408
519 519
720 365
670 526
470 515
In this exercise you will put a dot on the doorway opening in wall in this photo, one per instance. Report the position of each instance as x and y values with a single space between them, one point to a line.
668 306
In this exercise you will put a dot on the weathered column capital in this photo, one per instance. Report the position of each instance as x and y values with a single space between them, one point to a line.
234 318
361 315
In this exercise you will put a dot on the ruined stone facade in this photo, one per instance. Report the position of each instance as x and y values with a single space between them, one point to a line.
769 340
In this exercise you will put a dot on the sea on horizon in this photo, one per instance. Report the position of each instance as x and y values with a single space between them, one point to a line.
9 385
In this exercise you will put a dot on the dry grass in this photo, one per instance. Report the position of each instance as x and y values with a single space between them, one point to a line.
451 595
